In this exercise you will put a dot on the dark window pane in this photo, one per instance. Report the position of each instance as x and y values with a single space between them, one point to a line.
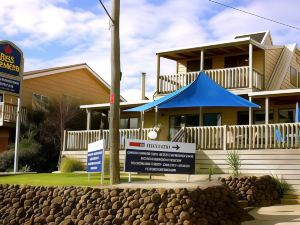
193 66
207 64
286 115
236 61
176 122
212 119
243 118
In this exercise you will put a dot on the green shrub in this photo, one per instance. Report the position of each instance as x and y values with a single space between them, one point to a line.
6 161
281 185
211 171
234 161
70 165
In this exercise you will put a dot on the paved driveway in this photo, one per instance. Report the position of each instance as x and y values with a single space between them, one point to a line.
276 215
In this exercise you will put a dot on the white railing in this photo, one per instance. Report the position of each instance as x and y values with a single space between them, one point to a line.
79 140
264 136
8 113
230 78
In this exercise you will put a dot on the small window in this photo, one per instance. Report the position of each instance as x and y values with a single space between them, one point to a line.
176 122
194 65
293 76
40 102
129 123
212 119
286 115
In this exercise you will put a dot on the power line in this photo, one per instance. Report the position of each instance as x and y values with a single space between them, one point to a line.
253 14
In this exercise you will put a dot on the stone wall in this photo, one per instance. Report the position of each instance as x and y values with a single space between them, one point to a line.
257 191
31 205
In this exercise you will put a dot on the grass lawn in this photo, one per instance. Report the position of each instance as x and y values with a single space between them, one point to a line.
59 179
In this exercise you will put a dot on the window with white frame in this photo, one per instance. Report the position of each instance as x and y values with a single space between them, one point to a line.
39 101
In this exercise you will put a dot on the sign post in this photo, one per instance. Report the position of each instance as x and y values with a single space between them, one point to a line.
95 158
11 76
160 157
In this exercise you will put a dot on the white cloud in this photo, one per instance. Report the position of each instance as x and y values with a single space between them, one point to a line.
145 28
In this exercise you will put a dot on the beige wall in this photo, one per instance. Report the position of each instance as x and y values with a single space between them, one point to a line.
80 84
286 84
271 58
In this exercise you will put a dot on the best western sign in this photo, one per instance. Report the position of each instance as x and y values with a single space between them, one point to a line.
160 157
11 67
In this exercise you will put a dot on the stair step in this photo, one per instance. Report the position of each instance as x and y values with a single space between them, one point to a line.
291 196
290 201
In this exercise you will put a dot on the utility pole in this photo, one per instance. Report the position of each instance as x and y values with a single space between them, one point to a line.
114 120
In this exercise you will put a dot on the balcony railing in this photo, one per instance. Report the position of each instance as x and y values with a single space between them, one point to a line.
8 113
264 136
230 78
79 140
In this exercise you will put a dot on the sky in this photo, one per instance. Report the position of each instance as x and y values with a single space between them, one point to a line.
63 32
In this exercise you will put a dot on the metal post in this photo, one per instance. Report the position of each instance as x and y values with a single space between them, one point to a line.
156 116
250 66
17 136
115 95
143 86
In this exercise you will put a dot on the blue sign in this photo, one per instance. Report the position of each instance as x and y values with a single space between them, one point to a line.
95 157
10 59
9 85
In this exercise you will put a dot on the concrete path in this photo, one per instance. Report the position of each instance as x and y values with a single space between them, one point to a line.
276 215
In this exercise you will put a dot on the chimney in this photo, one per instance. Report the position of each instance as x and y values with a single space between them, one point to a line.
143 83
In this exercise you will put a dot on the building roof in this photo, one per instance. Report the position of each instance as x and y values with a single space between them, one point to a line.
55 70
107 105
284 92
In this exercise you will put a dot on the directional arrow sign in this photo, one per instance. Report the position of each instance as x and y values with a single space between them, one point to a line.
160 157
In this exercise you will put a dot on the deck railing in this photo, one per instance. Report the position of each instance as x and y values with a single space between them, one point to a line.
8 113
264 136
230 78
79 140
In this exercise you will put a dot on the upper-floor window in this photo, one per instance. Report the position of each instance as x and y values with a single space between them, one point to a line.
236 61
39 102
294 77
194 65
286 115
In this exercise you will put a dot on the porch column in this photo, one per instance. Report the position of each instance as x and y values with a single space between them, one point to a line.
142 119
88 119
250 65
201 60
250 113
250 123
157 73
267 110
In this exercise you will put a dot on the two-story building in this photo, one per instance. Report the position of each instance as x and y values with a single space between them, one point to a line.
250 66
77 83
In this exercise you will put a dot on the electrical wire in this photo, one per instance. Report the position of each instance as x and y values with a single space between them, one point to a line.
256 15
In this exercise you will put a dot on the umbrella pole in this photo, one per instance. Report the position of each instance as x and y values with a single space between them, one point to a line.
156 116
200 116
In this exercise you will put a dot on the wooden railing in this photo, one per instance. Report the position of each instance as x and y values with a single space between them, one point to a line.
230 78
79 140
8 113
264 136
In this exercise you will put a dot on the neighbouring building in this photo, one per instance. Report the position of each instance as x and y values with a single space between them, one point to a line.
249 65
77 83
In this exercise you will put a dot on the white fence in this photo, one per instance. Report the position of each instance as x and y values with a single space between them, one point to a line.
79 140
8 113
230 78
264 136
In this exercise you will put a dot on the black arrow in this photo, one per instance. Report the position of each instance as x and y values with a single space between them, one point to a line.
177 147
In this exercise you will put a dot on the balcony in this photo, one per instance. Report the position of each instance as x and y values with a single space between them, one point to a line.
8 113
229 78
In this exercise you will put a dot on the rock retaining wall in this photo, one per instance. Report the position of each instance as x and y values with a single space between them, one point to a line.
31 205
257 191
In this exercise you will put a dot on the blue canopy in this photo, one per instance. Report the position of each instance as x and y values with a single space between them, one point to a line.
203 92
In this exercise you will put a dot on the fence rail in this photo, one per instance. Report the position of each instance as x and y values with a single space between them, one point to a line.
230 78
79 140
8 113
264 136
